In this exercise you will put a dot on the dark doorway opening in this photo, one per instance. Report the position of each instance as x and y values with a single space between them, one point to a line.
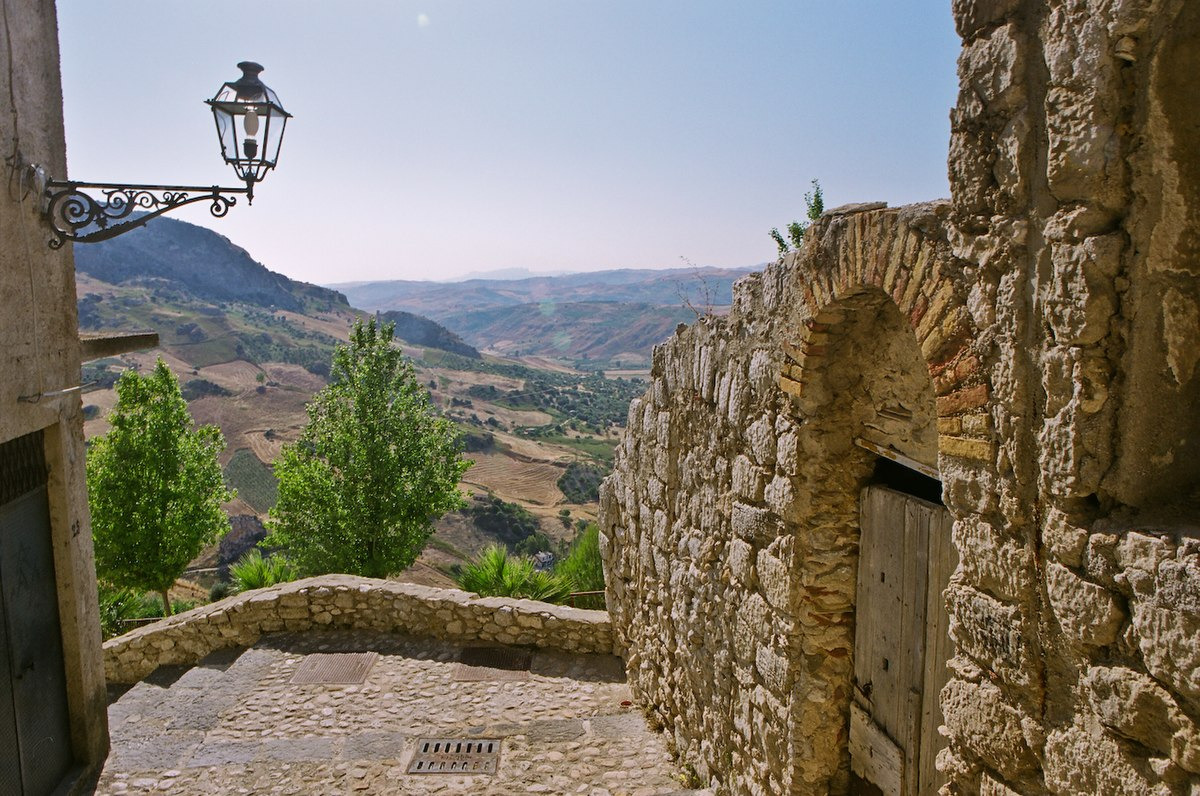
904 479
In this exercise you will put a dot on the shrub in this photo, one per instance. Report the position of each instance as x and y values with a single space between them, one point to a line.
497 574
508 522
117 605
583 569
581 482
254 571
199 388
536 543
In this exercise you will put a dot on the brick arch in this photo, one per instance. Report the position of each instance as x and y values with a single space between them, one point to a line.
868 277
877 251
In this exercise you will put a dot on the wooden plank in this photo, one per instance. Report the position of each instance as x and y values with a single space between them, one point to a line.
865 597
912 621
888 452
873 755
889 624
98 345
943 560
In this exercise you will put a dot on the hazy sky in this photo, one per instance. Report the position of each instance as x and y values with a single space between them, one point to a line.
441 137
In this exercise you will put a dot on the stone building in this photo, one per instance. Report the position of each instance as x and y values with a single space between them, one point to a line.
52 695
922 510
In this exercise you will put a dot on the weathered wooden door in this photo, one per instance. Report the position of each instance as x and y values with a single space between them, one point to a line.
901 643
35 741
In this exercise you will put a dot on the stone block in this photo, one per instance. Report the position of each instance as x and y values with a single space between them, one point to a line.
993 66
754 524
973 16
780 496
774 581
1181 331
748 480
741 561
1083 758
993 562
1063 539
1169 640
1090 615
1137 706
990 786
980 719
1081 301
980 450
963 400
772 667
992 633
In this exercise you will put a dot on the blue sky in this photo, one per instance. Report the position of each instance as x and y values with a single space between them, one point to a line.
442 137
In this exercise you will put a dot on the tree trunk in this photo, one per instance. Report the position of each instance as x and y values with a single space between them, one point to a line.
166 602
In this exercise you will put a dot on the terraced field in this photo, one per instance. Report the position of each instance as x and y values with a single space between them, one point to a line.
515 480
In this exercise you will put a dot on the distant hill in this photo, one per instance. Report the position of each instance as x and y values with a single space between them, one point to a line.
440 300
595 319
211 302
418 330
202 264
606 331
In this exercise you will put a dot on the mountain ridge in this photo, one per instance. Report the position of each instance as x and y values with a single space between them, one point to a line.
666 287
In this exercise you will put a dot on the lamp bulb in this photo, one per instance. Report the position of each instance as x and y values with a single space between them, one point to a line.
250 122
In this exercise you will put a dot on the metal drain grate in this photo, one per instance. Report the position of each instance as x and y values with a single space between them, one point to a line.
336 668
455 756
492 663
515 660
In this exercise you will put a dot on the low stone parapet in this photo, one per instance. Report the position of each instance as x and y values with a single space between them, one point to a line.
345 602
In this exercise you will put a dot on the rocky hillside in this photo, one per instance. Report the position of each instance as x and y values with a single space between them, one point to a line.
422 331
202 264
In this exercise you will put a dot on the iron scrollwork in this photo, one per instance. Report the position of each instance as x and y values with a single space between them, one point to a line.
79 216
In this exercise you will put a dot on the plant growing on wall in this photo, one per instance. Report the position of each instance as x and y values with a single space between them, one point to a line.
372 470
814 203
155 487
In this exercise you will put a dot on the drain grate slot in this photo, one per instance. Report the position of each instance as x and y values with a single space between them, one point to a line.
334 668
455 756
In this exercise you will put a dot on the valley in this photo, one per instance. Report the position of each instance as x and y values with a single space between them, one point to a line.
249 367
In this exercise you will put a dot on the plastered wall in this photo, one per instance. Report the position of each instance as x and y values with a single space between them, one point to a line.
39 347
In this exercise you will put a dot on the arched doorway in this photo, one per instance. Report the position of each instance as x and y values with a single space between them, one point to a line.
869 398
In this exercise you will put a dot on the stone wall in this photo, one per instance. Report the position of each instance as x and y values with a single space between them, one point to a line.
1036 338
39 349
347 602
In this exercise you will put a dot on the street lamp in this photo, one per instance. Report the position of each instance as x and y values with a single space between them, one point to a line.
250 122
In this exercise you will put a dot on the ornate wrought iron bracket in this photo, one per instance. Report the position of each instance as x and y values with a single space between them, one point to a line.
81 217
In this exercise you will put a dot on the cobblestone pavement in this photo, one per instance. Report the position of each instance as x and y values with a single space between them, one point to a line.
236 724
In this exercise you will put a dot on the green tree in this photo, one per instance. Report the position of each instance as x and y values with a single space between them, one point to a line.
154 485
814 203
372 470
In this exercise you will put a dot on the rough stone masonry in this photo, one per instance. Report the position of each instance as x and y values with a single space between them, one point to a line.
1036 339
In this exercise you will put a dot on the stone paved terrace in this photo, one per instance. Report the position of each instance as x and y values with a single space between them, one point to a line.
235 723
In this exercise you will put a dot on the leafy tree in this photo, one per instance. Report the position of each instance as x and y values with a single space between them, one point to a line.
814 203
154 486
372 470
